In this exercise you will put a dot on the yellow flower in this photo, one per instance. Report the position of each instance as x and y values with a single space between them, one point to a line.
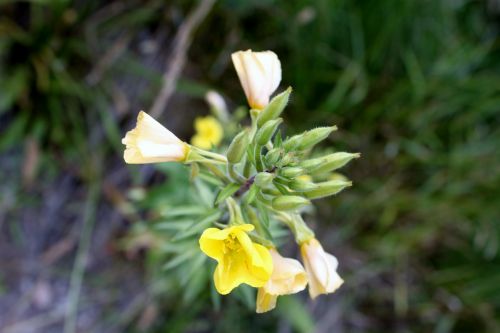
239 259
288 277
209 132
150 142
259 74
321 268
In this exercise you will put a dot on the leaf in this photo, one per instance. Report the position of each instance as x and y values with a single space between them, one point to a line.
226 192
179 259
251 194
294 312
198 225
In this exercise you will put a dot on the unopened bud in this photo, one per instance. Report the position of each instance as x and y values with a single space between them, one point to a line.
273 156
291 172
238 147
263 179
301 185
328 163
274 108
315 136
289 202
266 132
326 189
309 138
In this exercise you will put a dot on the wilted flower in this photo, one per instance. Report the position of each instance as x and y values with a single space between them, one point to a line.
288 277
239 259
321 268
150 142
209 132
259 74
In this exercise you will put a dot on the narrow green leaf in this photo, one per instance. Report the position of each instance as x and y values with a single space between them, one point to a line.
226 192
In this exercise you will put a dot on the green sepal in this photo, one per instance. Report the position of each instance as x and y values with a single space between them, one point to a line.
274 109
327 188
266 132
289 202
238 147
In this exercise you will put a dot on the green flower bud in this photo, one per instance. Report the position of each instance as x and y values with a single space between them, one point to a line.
238 147
308 139
301 185
274 108
266 132
289 202
273 156
291 172
293 142
328 163
263 179
326 189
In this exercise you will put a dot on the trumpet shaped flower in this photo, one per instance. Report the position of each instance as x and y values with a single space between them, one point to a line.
259 74
239 259
321 268
288 277
209 132
150 142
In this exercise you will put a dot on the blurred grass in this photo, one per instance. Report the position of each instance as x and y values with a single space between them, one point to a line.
413 85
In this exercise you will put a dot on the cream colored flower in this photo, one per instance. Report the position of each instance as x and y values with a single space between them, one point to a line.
288 277
259 74
150 142
321 268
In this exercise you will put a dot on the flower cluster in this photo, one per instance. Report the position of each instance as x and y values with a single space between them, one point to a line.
263 179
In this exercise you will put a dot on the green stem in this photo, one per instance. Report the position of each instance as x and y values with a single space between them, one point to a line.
234 174
217 172
78 272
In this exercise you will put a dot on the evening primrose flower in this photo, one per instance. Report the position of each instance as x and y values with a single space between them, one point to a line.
209 132
150 142
321 268
288 277
239 259
259 74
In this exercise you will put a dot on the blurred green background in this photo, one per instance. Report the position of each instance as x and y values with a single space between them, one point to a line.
413 85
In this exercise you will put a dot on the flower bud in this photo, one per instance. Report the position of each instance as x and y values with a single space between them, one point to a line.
259 74
321 268
308 139
291 172
263 179
273 156
301 185
275 107
328 163
238 147
326 189
289 202
265 133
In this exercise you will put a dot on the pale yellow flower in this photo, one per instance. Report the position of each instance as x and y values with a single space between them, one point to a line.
209 132
150 142
239 259
259 74
288 277
321 268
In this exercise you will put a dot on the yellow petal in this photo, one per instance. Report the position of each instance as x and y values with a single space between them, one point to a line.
211 243
265 302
